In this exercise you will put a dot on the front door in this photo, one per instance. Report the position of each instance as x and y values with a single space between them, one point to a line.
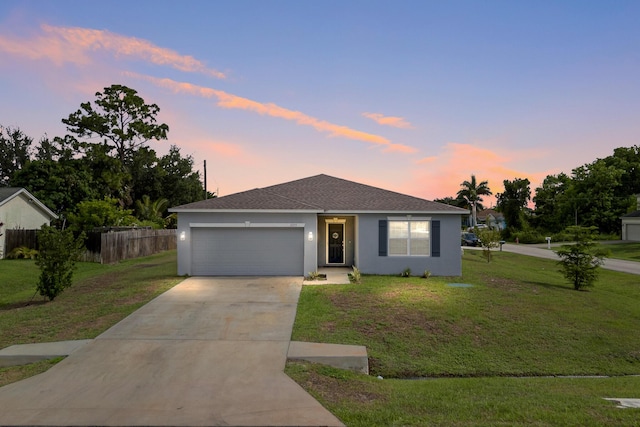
336 243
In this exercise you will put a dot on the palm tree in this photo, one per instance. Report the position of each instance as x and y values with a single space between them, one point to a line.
151 211
471 192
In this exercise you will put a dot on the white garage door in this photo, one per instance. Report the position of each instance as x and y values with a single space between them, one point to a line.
633 232
247 252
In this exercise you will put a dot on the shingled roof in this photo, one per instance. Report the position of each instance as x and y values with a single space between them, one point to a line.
322 194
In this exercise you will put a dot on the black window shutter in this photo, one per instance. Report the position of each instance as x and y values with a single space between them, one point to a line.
382 237
435 238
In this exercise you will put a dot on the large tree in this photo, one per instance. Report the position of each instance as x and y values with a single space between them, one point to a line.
513 201
15 151
120 118
600 198
553 210
180 183
472 192
60 185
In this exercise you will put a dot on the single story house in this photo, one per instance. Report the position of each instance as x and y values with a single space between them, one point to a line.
19 209
321 221
492 219
631 223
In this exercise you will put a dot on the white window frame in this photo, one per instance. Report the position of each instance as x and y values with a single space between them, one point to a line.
409 219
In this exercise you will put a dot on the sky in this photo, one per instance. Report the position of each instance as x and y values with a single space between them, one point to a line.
409 96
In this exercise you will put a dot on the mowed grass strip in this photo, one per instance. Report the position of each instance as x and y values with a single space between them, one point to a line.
520 318
100 296
365 401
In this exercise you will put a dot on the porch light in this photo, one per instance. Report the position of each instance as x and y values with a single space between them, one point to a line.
183 236
310 236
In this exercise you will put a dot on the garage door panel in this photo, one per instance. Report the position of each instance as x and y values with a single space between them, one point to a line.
633 232
253 251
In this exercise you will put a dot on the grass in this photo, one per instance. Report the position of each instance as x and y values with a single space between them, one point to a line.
520 319
100 296
629 251
360 400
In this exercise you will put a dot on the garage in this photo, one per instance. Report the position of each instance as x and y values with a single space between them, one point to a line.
268 251
633 232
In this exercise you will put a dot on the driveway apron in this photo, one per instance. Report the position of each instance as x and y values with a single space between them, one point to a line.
209 352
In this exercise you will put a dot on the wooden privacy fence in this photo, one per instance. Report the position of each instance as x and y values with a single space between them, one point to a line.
106 248
17 238
120 245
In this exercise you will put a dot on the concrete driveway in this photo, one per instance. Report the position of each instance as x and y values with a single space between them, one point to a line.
209 352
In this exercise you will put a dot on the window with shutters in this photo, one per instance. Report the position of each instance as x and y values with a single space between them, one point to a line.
409 238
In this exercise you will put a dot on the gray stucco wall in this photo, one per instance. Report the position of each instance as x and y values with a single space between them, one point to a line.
185 218
449 263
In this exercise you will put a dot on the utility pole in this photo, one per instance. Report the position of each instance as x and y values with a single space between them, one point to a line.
205 179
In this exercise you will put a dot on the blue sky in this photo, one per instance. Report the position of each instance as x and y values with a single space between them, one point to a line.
411 96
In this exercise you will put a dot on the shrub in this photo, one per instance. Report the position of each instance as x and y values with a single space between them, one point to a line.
59 250
527 236
356 276
562 236
489 239
22 252
406 272
580 261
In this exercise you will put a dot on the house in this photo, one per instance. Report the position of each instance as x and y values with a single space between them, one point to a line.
492 219
631 223
321 221
19 209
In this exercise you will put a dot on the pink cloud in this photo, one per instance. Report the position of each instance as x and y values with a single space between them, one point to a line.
226 149
397 122
227 100
440 175
76 45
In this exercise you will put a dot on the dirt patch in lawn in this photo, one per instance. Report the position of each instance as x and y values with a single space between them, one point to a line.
393 311
339 391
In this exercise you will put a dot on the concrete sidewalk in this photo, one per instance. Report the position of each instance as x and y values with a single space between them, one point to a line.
24 354
209 352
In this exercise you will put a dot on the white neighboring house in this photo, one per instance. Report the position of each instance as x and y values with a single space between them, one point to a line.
19 209
631 224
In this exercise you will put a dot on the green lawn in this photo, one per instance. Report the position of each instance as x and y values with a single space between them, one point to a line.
101 296
628 250
518 319
360 400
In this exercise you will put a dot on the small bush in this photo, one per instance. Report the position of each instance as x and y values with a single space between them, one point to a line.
59 250
562 236
580 261
529 236
356 276
426 274
406 272
22 252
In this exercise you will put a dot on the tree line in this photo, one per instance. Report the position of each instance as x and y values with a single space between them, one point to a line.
594 195
102 172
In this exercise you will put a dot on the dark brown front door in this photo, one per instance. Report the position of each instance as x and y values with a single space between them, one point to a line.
336 244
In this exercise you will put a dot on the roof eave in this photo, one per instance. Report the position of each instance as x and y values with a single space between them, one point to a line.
211 210
390 211
31 197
